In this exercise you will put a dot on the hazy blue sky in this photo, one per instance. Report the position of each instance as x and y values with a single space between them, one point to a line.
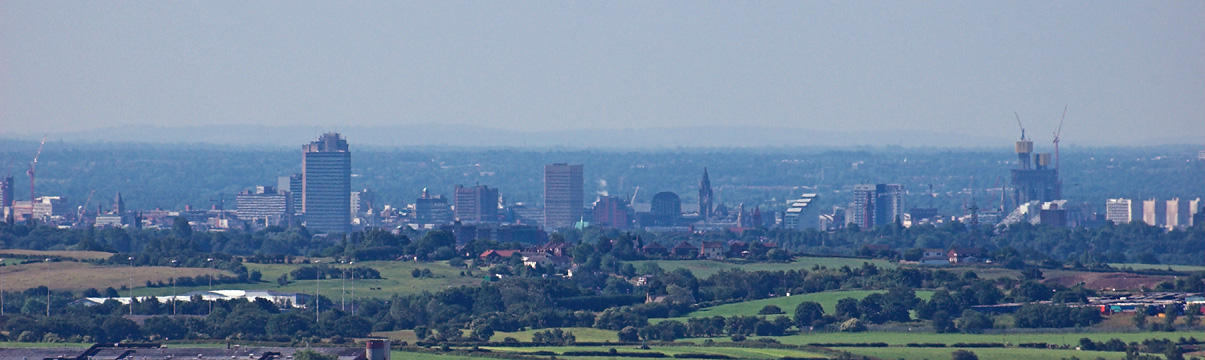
1130 70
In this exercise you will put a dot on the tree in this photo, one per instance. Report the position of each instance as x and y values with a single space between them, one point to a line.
1140 318
847 308
963 355
974 322
942 322
807 312
629 334
769 310
181 228
118 328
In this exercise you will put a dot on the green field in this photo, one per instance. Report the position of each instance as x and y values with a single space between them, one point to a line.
827 299
901 338
704 268
734 352
982 353
1184 268
579 333
396 280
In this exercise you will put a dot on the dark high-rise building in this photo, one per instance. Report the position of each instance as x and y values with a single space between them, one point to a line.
705 196
1034 179
431 209
6 191
612 212
666 209
326 185
888 204
874 205
861 208
292 186
562 195
476 204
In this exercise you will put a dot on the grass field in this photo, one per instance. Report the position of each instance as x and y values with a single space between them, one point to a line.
396 280
581 334
704 268
982 353
71 275
827 299
69 254
734 352
901 338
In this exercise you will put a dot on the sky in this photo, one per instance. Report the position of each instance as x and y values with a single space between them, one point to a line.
1129 72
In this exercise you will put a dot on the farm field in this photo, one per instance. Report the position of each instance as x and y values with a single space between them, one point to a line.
827 299
1185 268
69 254
704 268
71 275
580 333
733 351
902 338
983 353
398 354
396 280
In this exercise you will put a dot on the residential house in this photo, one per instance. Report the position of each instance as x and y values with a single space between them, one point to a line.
712 250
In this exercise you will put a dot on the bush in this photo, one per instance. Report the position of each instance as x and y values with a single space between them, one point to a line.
770 310
963 355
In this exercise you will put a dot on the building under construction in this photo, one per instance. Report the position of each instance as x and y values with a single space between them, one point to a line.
1034 179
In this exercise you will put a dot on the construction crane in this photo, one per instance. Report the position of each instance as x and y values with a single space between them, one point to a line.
1057 133
33 166
634 192
1019 125
84 208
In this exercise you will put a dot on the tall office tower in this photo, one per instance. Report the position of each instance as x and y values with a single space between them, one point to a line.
888 204
264 206
291 185
431 209
1119 211
6 192
861 209
476 204
1154 212
1034 179
326 185
1173 219
612 212
705 196
562 195
666 209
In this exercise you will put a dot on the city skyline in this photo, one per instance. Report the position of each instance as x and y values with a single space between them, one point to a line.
959 69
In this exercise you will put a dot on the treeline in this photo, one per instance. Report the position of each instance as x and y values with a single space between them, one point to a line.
236 319
1014 246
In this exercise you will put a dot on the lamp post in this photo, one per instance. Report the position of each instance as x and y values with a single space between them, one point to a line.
1 290
173 287
210 261
343 291
131 286
47 261
317 284
353 287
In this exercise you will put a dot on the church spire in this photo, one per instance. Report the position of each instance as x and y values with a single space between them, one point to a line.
705 196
